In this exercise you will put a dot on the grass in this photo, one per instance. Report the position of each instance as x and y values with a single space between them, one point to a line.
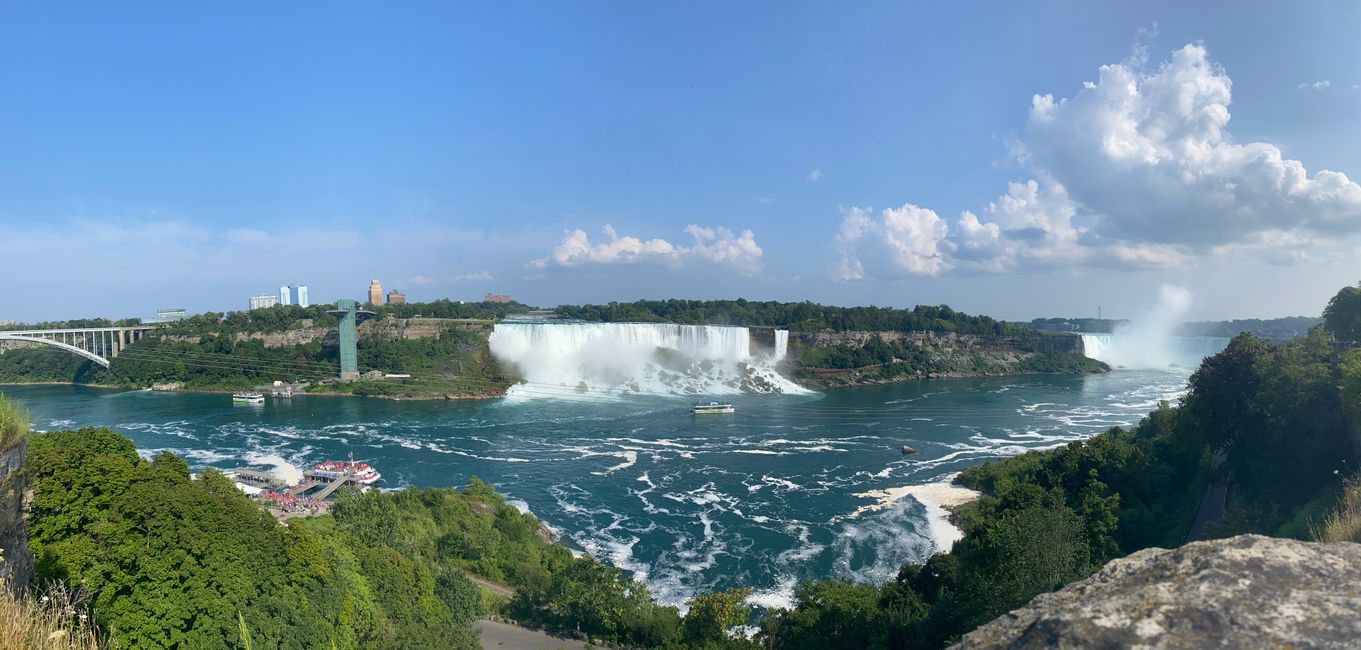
51 621
13 423
1344 524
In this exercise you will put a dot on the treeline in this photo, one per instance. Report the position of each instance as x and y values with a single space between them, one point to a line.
281 318
37 363
794 316
75 323
1274 329
880 359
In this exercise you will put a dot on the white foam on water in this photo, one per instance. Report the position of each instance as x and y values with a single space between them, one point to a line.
935 497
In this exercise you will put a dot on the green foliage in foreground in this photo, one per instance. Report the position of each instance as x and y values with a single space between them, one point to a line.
14 422
170 561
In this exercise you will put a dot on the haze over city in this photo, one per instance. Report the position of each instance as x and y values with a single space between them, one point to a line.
1019 162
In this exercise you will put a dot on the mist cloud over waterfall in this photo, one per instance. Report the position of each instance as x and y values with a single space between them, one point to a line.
1151 340
569 359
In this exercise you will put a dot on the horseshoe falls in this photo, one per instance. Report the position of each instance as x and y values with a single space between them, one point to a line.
570 360
1135 349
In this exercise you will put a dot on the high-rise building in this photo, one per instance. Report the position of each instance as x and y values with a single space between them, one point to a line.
263 302
375 293
396 297
293 294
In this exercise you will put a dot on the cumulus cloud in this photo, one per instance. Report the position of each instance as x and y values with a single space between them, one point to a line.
717 245
1315 85
815 175
1135 170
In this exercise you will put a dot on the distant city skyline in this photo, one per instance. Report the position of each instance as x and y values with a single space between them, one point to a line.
1082 154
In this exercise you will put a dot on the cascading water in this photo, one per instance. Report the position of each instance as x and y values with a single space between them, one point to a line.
1131 350
781 344
569 359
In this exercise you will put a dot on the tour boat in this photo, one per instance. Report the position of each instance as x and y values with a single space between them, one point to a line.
334 470
707 408
248 398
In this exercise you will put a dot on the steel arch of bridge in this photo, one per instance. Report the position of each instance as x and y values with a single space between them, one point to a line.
98 344
58 344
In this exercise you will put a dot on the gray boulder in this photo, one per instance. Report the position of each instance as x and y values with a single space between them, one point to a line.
1242 592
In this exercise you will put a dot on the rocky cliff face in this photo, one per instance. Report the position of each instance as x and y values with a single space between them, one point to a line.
935 354
940 341
1242 592
16 565
401 328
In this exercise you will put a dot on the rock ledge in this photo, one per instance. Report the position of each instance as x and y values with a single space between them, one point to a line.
1242 592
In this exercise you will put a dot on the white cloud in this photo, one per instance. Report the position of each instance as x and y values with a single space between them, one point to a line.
1136 170
1316 85
764 200
815 175
425 281
718 245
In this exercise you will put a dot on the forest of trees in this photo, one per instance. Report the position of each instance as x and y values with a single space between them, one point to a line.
794 316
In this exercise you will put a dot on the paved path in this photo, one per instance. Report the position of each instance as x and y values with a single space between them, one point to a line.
504 636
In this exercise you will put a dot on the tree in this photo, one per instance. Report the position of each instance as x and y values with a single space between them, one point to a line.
712 615
1342 316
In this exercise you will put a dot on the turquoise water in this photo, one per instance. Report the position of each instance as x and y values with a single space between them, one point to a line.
762 498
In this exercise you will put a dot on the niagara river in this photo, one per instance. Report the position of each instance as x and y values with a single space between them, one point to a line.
795 485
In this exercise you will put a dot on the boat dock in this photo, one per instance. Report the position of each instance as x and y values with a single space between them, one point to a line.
309 496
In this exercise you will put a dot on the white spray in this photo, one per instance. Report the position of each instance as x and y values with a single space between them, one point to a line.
1151 341
569 359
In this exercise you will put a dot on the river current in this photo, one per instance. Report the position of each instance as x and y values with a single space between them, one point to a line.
790 487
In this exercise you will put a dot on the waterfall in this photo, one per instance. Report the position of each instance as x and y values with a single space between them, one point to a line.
1132 350
567 359
781 344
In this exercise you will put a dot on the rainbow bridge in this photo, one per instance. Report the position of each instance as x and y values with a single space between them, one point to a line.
98 344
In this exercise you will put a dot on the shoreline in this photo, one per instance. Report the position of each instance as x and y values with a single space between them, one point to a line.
941 498
229 391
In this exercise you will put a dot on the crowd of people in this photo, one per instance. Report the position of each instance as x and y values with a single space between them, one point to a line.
290 503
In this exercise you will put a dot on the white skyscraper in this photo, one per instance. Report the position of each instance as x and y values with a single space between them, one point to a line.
300 293
284 297
263 302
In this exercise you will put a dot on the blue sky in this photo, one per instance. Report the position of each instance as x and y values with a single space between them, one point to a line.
164 155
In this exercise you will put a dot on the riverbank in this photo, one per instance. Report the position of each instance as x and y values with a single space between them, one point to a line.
941 499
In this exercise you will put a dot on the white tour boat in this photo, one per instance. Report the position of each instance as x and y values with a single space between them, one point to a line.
709 408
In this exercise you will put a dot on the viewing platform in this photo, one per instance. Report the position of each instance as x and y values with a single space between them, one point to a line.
309 496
